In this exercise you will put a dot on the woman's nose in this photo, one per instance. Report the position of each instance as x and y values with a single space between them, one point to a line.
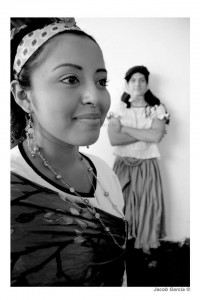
137 83
90 95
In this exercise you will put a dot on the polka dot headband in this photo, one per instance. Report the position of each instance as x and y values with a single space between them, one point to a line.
35 39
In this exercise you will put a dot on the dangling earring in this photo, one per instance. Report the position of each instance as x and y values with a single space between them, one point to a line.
31 137
88 147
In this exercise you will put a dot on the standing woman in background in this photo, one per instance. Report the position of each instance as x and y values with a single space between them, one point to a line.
67 221
135 130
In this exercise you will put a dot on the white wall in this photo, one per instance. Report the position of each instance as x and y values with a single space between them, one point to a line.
162 45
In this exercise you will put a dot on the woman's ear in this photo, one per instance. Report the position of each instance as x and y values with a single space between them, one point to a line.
20 96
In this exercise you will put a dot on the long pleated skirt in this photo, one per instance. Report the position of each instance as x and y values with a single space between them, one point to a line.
141 184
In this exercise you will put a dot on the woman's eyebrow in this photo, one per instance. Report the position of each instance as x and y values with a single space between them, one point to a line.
101 70
68 65
77 67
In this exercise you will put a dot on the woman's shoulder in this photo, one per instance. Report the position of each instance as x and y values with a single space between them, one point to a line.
97 161
101 166
158 111
117 110
15 154
107 177
105 172
17 162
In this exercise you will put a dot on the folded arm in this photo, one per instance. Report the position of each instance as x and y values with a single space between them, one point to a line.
117 137
151 135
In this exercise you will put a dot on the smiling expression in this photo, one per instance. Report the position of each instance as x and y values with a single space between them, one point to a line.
68 95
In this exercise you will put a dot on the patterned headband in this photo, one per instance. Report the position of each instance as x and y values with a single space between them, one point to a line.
35 39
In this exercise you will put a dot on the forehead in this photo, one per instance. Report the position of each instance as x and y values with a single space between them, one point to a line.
137 76
71 48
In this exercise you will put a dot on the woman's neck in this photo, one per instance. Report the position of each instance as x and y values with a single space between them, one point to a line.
63 158
56 151
59 151
137 101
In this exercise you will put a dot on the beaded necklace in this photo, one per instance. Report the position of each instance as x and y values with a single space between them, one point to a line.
90 208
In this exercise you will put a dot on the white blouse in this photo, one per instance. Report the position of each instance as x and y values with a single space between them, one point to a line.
106 177
142 118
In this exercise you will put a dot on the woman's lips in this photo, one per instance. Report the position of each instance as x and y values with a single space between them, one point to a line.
89 119
89 116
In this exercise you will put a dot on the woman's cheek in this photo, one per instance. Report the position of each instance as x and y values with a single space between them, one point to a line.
107 102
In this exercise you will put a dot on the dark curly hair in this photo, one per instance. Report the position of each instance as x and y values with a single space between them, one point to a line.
149 97
18 115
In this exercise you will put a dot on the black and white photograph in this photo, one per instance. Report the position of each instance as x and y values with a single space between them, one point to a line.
99 138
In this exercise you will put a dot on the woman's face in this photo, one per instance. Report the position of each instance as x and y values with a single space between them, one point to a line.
137 85
69 96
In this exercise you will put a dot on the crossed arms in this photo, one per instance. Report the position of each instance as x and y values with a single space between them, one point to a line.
124 135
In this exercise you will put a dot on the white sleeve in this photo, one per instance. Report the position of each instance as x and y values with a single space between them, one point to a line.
116 111
161 113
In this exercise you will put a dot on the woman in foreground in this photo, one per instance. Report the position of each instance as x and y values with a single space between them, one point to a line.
68 228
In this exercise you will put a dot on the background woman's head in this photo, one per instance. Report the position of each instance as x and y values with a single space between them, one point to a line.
136 84
137 69
38 82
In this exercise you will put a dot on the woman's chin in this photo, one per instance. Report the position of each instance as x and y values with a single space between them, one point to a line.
89 140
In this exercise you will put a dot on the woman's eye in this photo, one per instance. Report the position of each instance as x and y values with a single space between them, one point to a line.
103 82
72 80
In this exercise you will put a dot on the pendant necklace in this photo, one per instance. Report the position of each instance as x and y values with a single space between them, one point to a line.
90 208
